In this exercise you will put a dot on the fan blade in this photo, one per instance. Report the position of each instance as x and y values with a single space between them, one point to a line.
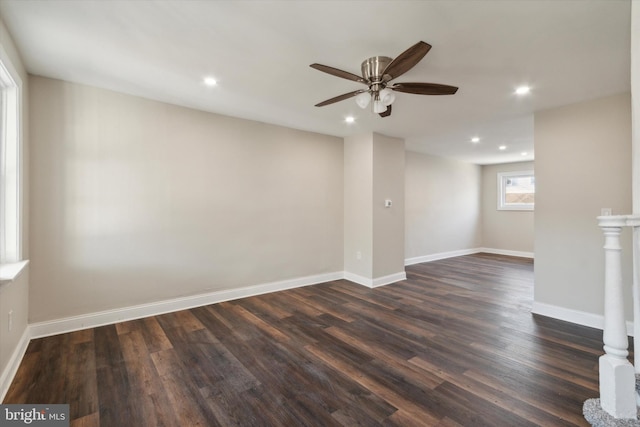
386 113
338 73
339 98
424 88
406 60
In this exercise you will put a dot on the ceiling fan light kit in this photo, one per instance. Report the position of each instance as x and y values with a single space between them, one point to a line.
363 99
387 96
377 73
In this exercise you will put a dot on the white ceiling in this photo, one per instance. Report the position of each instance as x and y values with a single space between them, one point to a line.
260 51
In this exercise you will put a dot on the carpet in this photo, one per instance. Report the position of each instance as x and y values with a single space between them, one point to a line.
597 417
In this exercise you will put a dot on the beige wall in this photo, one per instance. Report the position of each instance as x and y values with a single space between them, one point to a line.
443 205
504 230
388 183
374 234
583 164
14 295
358 215
136 201
635 104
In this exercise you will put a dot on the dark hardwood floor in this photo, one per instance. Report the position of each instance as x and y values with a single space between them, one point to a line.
453 345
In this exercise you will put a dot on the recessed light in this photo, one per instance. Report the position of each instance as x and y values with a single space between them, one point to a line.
524 153
502 147
349 119
475 139
210 81
523 90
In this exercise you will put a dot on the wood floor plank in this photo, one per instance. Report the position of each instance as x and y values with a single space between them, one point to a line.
321 304
91 420
52 370
426 379
394 398
261 305
260 324
154 336
82 383
453 345
114 391
182 395
23 386
501 398
148 395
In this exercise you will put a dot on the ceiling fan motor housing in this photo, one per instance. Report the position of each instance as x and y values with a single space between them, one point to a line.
372 70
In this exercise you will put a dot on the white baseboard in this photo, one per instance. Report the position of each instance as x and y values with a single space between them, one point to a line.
356 278
387 280
507 252
440 255
462 252
574 316
378 281
108 317
14 363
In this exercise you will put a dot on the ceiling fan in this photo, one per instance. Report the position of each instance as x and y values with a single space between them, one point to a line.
377 73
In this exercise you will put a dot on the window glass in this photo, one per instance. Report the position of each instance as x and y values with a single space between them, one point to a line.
516 190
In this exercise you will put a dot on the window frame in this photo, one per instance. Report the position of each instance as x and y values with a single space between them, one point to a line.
502 185
11 209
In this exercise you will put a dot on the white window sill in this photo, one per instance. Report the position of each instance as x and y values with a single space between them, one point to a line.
10 271
515 208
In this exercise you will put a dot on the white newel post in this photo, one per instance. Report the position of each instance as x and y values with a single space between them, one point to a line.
635 223
617 376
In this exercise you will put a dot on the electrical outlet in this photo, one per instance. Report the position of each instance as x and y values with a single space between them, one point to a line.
605 211
10 323
358 255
